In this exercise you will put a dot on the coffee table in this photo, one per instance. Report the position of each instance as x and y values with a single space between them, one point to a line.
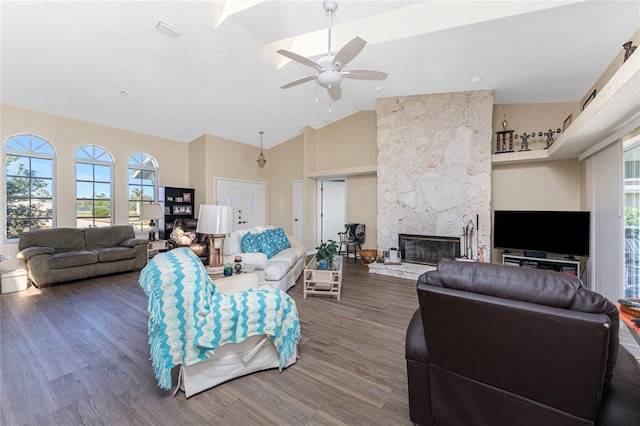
323 281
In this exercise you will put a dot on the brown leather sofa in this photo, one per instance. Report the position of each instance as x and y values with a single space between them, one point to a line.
499 345
200 246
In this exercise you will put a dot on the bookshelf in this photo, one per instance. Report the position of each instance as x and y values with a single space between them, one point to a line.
566 266
177 203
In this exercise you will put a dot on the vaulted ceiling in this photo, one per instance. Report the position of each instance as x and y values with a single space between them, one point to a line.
105 62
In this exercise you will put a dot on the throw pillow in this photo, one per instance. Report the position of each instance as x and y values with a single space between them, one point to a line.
266 244
280 238
248 244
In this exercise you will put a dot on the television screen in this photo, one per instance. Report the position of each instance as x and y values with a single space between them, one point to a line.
559 232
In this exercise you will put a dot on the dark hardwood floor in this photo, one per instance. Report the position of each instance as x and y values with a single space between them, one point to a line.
78 353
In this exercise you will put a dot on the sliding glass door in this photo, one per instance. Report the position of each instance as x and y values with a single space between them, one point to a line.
632 217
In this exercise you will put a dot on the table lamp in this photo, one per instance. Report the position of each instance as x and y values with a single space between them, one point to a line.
215 221
151 212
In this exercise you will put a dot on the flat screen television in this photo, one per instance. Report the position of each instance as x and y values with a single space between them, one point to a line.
559 232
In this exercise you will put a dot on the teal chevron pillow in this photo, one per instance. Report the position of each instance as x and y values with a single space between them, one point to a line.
248 244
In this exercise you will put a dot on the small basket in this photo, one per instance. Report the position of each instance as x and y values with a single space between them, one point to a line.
368 256
630 310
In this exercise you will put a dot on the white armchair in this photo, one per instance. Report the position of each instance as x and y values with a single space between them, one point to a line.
195 323
233 359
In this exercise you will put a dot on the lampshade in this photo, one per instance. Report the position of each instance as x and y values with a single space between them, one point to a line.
151 211
214 219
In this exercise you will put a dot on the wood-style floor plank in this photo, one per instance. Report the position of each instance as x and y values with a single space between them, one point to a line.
78 353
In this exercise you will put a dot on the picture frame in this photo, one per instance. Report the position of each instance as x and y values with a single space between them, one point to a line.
589 99
186 197
169 198
181 210
567 122
167 210
178 199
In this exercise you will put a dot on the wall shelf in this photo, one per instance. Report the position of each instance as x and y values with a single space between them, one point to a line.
616 105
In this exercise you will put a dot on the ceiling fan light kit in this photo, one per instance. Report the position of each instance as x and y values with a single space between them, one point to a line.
329 68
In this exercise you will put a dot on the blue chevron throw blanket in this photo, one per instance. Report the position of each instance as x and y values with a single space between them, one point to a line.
189 318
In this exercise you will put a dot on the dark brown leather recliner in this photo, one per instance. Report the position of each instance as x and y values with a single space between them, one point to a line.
200 246
498 345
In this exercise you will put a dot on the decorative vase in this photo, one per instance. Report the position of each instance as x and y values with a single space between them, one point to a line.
238 267
228 270
323 264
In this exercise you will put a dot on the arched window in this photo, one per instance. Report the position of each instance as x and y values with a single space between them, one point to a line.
94 189
29 163
143 187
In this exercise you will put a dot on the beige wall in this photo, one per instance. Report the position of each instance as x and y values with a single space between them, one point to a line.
347 143
284 163
343 146
67 135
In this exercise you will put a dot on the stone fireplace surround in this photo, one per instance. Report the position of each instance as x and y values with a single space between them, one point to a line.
434 169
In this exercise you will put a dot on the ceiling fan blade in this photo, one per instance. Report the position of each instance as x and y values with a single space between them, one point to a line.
348 52
298 81
364 74
300 59
335 92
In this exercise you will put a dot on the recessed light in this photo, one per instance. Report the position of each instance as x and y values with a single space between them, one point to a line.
476 79
124 93
378 88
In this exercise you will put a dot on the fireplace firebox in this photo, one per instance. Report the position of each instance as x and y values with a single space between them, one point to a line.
428 249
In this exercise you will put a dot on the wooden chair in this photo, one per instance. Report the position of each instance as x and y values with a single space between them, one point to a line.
351 239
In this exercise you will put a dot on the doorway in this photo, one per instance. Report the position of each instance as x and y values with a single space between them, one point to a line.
298 210
332 206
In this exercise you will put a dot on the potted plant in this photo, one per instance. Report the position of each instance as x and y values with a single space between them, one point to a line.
325 253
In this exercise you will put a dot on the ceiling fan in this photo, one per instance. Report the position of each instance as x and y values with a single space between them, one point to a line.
329 68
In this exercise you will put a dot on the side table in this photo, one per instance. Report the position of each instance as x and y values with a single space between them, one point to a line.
155 247
323 281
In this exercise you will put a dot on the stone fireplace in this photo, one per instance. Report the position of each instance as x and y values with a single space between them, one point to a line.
428 249
434 172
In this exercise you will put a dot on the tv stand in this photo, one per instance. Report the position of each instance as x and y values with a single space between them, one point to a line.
566 266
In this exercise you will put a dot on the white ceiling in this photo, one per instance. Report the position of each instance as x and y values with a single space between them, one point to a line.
74 58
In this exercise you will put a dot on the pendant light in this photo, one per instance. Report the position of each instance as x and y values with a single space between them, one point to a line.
261 158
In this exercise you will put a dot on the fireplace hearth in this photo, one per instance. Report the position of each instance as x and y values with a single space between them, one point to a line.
428 249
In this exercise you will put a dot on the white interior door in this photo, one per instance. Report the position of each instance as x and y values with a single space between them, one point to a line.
246 198
332 208
298 210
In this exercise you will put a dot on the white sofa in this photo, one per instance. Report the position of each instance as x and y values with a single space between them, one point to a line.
280 271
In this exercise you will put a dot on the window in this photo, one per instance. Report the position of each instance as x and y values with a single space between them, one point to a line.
94 199
29 169
632 218
143 187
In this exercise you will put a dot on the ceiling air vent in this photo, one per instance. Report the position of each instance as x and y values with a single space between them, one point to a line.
168 30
